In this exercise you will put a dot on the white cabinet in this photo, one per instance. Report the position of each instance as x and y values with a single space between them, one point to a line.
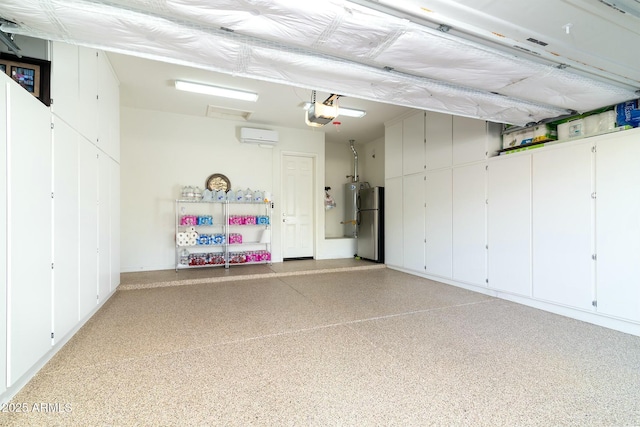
618 226
469 140
413 222
413 151
393 150
562 227
438 226
49 199
220 234
469 224
86 95
439 140
65 229
28 232
509 224
393 226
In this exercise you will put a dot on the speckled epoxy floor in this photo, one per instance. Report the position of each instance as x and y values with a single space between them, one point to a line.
364 347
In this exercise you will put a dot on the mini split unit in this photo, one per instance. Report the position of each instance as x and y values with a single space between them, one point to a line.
262 137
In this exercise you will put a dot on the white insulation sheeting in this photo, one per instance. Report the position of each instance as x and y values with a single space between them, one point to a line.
333 46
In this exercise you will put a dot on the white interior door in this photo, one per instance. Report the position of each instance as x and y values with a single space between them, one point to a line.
297 206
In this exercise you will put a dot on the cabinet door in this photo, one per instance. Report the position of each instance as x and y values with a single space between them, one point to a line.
104 227
108 109
64 83
65 229
393 150
88 93
87 226
469 140
28 232
438 245
469 224
393 245
618 226
413 222
562 228
438 134
509 224
115 225
413 144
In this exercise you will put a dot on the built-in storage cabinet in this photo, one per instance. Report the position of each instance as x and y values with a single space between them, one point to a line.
469 224
557 226
393 222
618 225
413 222
562 225
393 150
438 224
509 224
60 203
413 144
210 234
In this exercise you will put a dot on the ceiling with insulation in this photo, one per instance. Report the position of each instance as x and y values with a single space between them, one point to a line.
510 62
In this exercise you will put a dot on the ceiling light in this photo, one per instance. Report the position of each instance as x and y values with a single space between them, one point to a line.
631 7
216 91
342 111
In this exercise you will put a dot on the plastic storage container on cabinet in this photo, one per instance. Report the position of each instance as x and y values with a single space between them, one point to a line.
216 234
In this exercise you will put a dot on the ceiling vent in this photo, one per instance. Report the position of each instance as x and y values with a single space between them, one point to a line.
262 137
216 112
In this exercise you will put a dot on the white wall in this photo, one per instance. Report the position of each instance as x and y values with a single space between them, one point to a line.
29 47
339 164
371 157
161 152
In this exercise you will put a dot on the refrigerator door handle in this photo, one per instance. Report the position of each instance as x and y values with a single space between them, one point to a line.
358 214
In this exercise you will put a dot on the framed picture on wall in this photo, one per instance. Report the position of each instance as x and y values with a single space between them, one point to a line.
30 73
27 76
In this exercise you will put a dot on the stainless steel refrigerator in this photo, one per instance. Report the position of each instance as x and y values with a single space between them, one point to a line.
371 224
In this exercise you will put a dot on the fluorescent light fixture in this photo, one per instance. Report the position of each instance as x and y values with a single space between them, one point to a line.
216 91
348 112
631 7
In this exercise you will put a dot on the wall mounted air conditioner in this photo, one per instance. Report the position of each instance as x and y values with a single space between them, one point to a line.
258 136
